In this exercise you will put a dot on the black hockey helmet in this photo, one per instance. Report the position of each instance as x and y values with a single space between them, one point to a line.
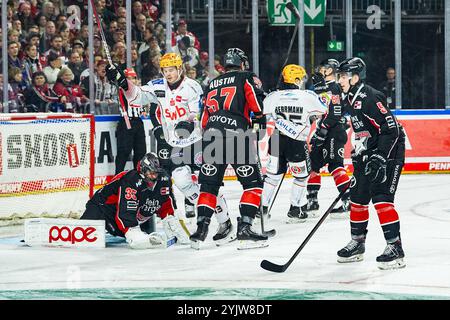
150 164
353 65
234 57
329 63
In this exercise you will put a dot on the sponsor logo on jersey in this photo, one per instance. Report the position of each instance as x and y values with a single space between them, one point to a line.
381 108
223 119
65 234
296 170
160 93
164 191
245 171
335 99
357 105
163 154
208 169
158 81
178 113
341 152
198 158
150 206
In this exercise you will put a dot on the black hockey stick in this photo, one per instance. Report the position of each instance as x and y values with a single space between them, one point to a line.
270 266
108 56
295 12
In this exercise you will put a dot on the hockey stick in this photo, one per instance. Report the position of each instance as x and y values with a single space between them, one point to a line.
295 12
271 232
270 266
108 56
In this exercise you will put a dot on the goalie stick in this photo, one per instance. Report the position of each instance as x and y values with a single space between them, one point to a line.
108 56
295 12
270 266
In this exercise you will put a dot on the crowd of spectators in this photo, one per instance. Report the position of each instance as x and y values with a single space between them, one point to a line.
48 53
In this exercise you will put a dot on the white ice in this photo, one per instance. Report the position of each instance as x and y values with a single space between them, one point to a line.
423 203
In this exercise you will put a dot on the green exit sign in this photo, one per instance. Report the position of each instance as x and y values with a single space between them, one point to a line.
334 45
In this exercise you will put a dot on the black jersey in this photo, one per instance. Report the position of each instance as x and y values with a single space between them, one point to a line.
132 201
376 128
230 98
334 117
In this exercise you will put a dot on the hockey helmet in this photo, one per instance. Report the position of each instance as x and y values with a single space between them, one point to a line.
149 168
354 66
171 60
292 72
234 57
329 63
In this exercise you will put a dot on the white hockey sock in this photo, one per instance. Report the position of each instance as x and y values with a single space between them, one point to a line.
298 191
270 184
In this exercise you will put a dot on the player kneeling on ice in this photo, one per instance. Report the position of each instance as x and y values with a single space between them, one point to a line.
129 201
292 108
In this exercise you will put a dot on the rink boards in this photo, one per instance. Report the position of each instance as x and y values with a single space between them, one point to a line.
427 144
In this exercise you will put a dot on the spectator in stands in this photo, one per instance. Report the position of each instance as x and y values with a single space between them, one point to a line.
75 99
388 87
139 28
56 47
187 52
25 15
118 36
217 64
121 12
17 26
60 21
32 62
104 91
107 16
78 46
18 86
41 21
13 56
85 73
40 97
122 24
48 10
191 72
181 32
52 69
77 65
150 68
112 29
119 54
64 32
153 8
84 33
131 75
202 62
33 39
47 36
136 10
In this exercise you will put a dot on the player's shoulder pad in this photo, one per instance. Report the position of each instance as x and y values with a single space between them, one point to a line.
194 85
133 179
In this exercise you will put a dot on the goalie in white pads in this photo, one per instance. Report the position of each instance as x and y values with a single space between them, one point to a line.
174 102
292 109
129 201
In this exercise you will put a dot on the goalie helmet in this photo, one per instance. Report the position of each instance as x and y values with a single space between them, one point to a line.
170 60
354 66
149 168
234 57
292 72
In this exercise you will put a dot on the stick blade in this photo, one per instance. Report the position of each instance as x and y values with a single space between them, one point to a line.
270 266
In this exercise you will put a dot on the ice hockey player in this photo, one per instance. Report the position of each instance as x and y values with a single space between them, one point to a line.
329 139
174 102
131 199
229 100
378 158
293 109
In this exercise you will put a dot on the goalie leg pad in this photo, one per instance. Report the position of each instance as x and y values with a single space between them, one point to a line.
270 184
173 228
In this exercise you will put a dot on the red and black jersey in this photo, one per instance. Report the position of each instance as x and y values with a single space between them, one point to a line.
229 100
375 126
132 201
334 116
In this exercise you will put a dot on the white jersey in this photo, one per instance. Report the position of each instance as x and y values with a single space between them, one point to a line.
292 109
180 104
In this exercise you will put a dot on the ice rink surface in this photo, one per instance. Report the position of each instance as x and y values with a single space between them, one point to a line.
179 272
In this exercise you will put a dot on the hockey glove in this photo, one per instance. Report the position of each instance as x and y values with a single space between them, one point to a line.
319 83
375 168
319 137
116 75
183 129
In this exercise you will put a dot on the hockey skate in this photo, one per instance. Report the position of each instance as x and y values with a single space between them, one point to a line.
247 239
225 233
189 209
392 257
353 251
312 207
199 236
296 215
343 211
